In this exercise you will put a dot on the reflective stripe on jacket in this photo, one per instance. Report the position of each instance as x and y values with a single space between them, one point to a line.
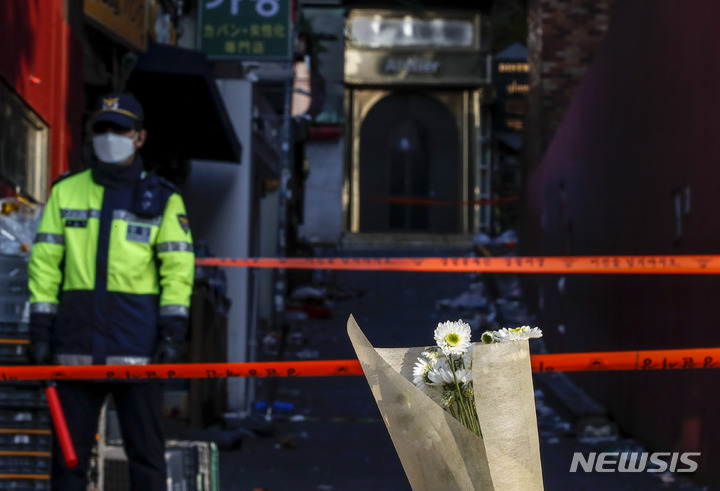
108 272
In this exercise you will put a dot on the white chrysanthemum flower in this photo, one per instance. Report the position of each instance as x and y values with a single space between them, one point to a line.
421 380
444 377
441 363
441 376
453 338
488 337
431 353
464 376
517 334
420 373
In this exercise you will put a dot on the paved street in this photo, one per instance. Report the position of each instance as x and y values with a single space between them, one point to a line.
328 435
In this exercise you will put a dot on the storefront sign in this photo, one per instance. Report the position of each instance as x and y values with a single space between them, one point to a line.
125 20
413 65
395 47
511 80
246 29
389 67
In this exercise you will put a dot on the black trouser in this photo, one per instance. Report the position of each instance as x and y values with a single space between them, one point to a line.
139 406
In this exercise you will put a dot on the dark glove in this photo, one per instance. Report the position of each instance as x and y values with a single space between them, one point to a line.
173 330
167 351
40 353
41 326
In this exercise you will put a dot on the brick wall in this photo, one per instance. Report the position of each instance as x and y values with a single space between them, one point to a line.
563 36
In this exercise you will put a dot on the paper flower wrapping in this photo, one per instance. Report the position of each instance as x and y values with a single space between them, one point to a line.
435 449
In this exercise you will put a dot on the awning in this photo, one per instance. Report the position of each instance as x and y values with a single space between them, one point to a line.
184 113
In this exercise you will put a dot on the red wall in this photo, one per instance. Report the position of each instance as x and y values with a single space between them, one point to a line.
42 60
643 125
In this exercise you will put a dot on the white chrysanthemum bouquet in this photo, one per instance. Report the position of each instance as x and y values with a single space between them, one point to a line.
485 385
444 372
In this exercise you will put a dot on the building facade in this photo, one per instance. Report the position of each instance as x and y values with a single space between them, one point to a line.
40 86
417 152
630 171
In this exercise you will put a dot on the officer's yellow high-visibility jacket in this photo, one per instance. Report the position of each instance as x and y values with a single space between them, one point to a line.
106 271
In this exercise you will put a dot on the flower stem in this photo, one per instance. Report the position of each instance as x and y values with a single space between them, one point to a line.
467 414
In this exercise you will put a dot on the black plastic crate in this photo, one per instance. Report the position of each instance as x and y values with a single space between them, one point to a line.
25 418
20 441
14 330
201 460
177 471
12 307
24 465
115 470
20 395
13 353
13 276
24 484
15 285
116 476
191 466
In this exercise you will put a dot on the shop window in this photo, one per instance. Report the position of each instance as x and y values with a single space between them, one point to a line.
23 146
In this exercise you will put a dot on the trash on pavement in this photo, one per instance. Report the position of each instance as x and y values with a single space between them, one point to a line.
472 299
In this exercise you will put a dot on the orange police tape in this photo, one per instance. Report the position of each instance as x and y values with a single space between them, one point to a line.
649 360
440 202
529 264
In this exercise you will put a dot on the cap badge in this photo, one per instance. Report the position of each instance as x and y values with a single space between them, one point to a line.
111 103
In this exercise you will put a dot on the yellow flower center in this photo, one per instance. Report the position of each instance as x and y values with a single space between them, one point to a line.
452 339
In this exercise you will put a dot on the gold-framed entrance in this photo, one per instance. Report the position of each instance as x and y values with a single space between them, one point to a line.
416 160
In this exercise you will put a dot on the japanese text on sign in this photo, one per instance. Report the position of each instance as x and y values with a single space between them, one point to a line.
246 29
265 8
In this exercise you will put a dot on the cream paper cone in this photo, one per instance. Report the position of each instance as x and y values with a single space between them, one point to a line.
437 451
505 403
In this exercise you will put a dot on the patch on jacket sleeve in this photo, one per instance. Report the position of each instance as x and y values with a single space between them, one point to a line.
184 223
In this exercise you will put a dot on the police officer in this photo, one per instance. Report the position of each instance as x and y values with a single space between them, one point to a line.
110 277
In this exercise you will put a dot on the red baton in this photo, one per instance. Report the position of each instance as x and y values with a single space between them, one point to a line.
61 429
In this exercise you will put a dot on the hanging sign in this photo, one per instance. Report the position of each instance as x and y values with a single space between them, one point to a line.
123 20
246 29
511 79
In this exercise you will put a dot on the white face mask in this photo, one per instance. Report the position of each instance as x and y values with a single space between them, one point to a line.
111 148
